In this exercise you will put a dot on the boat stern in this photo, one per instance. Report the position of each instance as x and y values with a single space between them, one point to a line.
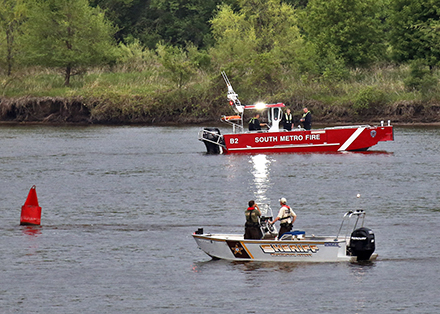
386 133
213 140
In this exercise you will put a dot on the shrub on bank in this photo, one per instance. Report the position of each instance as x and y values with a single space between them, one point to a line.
119 95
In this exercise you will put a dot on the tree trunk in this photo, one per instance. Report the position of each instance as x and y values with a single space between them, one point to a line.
9 44
67 75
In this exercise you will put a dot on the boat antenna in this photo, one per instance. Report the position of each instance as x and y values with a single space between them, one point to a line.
232 96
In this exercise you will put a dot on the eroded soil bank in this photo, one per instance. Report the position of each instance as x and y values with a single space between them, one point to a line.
77 110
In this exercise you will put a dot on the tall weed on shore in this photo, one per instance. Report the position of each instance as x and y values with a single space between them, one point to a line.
139 90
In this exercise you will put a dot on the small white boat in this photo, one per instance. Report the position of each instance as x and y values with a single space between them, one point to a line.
293 246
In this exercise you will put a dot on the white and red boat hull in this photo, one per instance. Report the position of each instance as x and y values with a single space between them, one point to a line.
334 139
348 138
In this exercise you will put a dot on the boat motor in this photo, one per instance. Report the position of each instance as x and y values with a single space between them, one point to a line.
362 244
213 140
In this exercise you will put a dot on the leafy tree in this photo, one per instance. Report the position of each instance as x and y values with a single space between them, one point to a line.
182 21
175 22
415 30
351 29
122 13
420 77
135 57
180 63
12 15
297 3
69 35
260 39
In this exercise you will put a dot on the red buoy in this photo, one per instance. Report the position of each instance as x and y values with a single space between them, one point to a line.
30 211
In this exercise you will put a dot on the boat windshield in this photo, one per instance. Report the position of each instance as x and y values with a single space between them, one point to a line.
266 211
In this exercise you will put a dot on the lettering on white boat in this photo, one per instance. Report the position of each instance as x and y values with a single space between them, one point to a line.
289 249
332 244
285 138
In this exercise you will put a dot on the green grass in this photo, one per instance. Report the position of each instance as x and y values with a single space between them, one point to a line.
147 92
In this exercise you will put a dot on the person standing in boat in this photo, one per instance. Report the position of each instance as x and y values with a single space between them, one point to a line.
254 123
252 227
287 120
286 216
306 119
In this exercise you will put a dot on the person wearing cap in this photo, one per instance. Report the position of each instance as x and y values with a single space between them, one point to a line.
252 228
286 216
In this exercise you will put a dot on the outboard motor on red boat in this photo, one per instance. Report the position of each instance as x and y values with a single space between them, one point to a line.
362 244
213 140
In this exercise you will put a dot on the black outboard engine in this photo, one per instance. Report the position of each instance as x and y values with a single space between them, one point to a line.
212 140
362 244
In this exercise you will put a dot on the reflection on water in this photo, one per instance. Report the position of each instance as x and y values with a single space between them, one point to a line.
32 231
120 205
261 177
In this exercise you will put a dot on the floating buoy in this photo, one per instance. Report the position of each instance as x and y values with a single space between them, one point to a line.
31 211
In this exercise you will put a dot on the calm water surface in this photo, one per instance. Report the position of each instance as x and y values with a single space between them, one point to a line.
120 205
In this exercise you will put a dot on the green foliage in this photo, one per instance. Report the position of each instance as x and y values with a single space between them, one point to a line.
415 26
333 68
367 98
135 57
179 64
259 41
349 29
12 15
174 22
420 77
68 34
122 13
297 3
297 51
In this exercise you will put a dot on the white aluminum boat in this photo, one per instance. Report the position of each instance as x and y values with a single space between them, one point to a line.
293 246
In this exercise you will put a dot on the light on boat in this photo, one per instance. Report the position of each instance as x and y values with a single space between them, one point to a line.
260 105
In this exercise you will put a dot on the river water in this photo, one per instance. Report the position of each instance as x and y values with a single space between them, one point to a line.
119 205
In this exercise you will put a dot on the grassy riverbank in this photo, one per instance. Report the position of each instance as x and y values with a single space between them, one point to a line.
150 95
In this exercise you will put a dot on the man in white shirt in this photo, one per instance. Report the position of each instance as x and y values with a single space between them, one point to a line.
286 216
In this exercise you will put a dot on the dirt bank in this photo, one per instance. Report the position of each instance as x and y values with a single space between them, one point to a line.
77 110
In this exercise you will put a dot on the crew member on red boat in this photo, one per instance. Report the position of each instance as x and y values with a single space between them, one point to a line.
252 228
306 119
254 123
287 120
286 216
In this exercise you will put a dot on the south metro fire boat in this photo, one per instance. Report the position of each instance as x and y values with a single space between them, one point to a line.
274 139
293 246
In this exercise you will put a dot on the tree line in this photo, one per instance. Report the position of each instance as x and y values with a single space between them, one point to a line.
262 40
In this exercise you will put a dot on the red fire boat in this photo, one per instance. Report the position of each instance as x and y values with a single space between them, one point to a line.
274 139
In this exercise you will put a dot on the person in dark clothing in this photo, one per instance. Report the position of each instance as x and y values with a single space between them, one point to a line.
306 119
254 123
287 120
252 228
